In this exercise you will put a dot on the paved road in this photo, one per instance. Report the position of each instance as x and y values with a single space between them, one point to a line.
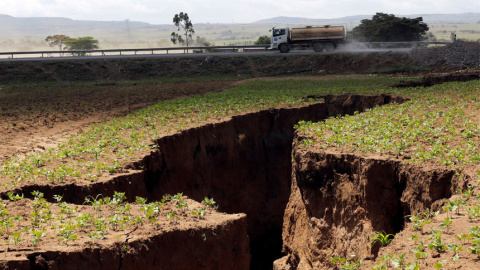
178 55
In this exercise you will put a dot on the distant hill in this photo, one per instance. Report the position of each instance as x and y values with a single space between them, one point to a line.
306 21
428 18
48 25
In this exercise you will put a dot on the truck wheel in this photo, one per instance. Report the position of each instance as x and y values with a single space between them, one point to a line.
318 47
283 48
330 47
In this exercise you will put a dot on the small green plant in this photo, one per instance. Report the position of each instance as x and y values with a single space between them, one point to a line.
446 223
414 238
412 266
462 237
474 212
441 264
399 261
96 202
475 248
199 212
437 242
419 251
346 264
469 192
455 248
379 266
171 214
419 223
382 238
68 233
36 235
386 259
14 197
209 203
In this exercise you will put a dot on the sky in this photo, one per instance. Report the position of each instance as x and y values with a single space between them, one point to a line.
225 11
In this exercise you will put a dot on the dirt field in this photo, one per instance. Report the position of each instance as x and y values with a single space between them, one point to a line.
36 118
37 112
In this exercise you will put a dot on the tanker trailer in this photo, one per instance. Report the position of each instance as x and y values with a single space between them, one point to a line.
318 38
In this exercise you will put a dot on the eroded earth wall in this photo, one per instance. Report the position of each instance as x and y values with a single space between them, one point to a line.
338 200
245 165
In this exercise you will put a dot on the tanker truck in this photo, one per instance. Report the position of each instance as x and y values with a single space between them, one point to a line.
319 38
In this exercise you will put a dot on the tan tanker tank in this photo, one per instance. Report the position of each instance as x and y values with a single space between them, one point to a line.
317 32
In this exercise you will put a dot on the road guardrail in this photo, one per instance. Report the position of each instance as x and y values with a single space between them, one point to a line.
166 50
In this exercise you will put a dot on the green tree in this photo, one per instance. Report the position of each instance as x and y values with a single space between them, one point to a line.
57 40
184 24
389 28
81 44
263 40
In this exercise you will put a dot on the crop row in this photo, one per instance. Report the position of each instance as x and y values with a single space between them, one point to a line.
105 148
25 222
439 125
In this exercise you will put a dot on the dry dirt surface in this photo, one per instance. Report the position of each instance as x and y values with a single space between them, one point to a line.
34 119
181 240
37 118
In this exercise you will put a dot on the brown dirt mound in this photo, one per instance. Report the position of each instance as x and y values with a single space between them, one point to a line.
459 54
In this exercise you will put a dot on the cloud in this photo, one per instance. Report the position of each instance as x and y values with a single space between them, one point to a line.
215 11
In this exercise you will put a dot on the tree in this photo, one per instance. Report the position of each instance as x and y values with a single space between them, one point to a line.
263 40
81 44
182 22
389 28
57 40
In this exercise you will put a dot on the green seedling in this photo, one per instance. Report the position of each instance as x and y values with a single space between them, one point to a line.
446 223
463 237
346 264
382 238
14 197
209 203
399 262
437 242
419 251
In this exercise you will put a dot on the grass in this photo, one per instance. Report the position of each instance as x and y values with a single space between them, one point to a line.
468 32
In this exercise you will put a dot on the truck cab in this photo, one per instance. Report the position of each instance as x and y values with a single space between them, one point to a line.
279 37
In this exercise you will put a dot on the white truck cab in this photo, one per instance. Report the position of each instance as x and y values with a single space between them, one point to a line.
279 36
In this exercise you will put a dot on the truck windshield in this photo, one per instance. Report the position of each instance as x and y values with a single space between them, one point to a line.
278 32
